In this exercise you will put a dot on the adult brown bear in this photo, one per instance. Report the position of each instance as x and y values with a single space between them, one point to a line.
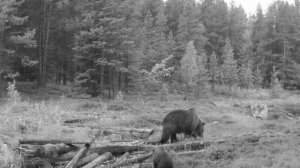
181 121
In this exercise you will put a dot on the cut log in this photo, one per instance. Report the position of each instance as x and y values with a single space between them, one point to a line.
146 165
137 159
194 145
122 158
64 157
117 149
80 120
47 150
129 132
49 141
106 156
87 159
50 150
76 158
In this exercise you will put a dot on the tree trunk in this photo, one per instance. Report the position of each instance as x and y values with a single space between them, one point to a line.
110 81
40 43
102 80
126 80
46 41
113 81
64 78
213 76
120 81
106 156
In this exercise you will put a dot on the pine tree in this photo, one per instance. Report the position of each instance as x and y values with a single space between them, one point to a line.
214 16
193 67
237 28
171 43
12 37
246 77
229 66
257 78
190 28
202 75
189 66
155 41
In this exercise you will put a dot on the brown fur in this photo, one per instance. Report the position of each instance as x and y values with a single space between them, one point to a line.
181 121
162 159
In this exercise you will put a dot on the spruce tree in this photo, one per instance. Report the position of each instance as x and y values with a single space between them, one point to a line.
193 68
246 76
229 66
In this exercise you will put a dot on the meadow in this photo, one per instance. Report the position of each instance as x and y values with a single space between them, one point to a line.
24 116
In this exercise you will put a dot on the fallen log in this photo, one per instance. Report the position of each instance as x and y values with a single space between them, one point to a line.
122 158
146 165
50 150
64 157
46 151
106 156
117 149
194 145
79 120
49 141
129 132
87 159
76 158
137 159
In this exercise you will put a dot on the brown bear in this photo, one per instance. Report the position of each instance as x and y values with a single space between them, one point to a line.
181 121
162 159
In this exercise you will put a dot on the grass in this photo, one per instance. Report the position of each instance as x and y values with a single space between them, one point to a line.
45 119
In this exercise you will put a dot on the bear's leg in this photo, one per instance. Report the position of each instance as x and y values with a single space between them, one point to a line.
165 135
173 138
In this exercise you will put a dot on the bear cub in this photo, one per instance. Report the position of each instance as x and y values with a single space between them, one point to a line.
181 121
162 159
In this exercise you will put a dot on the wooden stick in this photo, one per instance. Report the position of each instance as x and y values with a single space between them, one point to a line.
87 159
99 160
134 160
49 141
76 158
123 157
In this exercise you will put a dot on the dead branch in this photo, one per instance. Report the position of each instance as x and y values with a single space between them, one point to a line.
49 141
146 165
50 150
76 158
99 160
122 158
137 159
87 159
129 132
79 120
117 149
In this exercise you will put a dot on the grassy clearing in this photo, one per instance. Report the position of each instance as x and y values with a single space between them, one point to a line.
45 119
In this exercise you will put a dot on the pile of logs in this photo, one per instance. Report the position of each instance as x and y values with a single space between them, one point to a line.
70 154
105 154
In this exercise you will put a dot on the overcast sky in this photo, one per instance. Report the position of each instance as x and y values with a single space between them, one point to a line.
251 5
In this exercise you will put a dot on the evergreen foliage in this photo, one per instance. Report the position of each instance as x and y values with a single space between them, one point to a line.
112 41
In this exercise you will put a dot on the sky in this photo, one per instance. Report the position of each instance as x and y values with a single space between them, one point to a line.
251 5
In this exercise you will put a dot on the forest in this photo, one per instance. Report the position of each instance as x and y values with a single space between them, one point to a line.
133 83
149 45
